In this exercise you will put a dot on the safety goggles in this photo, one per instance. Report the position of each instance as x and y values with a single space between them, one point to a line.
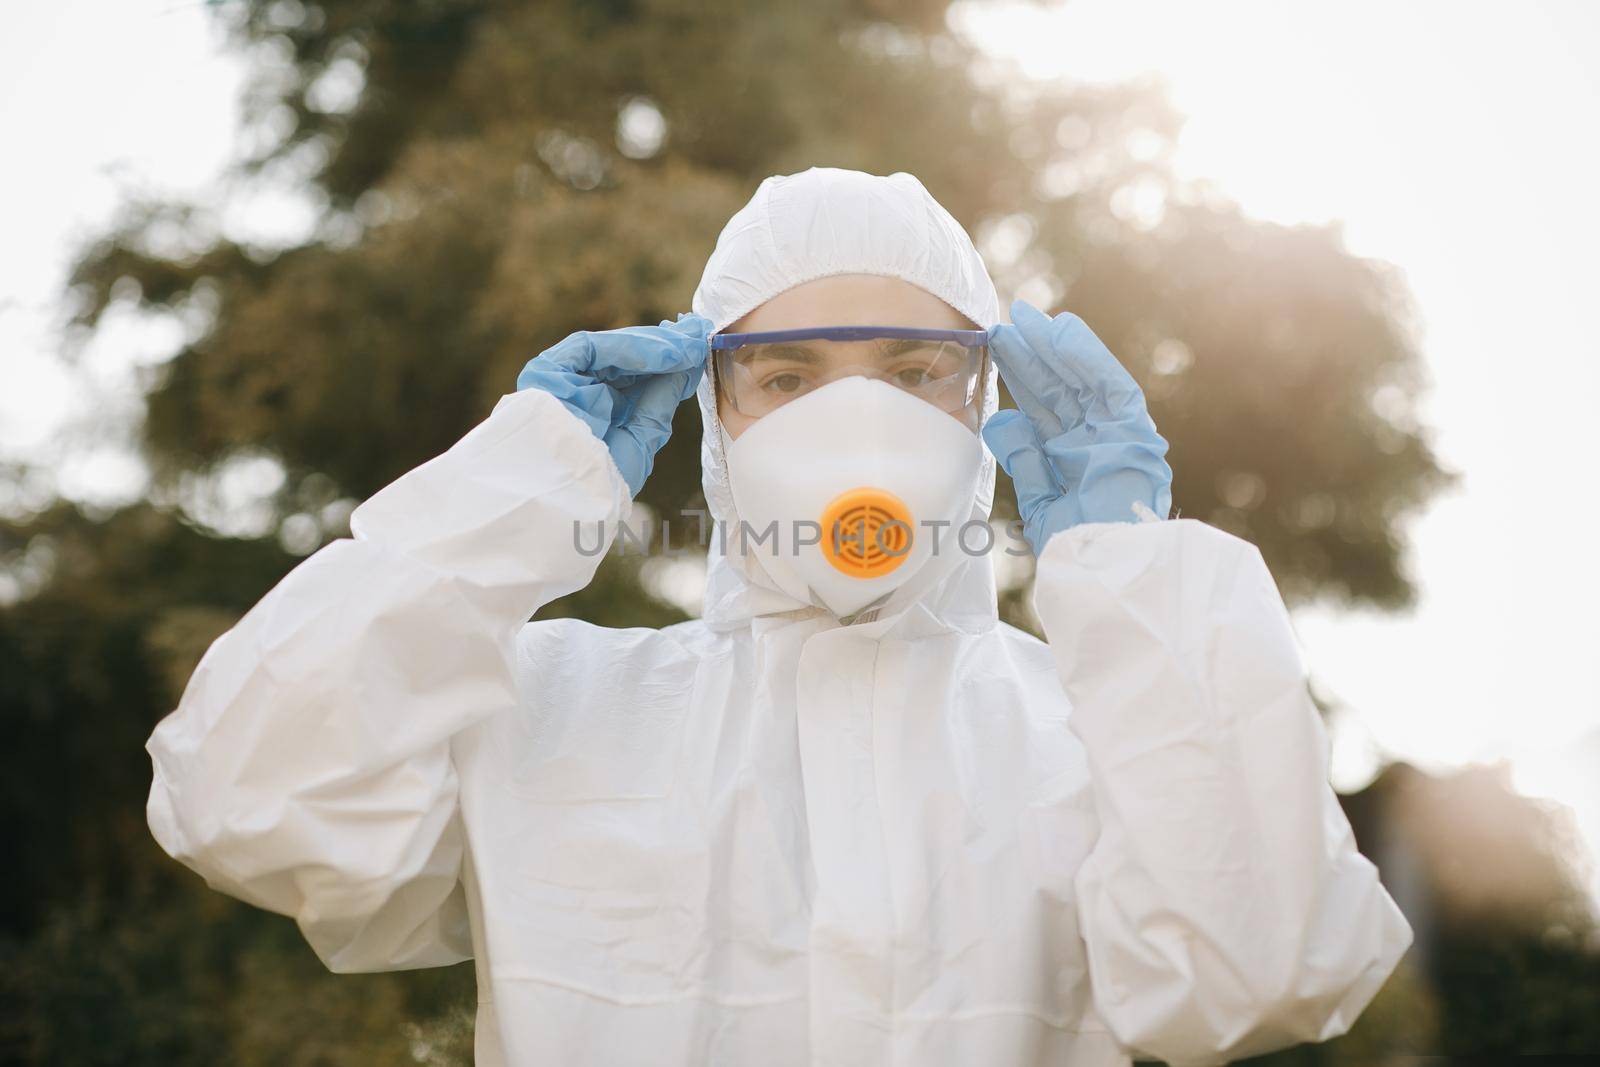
757 373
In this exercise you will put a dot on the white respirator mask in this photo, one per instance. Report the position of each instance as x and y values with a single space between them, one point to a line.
851 492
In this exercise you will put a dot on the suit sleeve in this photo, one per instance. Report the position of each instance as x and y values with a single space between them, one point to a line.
307 767
1224 907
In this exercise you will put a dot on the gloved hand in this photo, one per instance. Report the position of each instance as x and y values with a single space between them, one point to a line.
625 384
1083 448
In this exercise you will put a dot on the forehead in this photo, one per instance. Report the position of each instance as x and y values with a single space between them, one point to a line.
852 300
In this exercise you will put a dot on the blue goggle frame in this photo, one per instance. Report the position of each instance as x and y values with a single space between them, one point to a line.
968 338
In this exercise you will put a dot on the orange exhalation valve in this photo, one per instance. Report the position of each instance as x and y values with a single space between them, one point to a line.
866 533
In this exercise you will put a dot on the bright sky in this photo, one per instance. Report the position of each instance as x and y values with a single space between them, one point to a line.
95 98
1453 138
1457 140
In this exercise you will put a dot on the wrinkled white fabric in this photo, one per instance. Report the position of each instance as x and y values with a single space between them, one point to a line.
827 220
766 838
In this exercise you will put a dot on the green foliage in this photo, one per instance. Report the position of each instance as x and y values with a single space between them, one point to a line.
1510 995
482 206
178 975
87 667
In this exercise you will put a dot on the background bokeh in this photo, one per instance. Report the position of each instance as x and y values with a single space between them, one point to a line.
263 257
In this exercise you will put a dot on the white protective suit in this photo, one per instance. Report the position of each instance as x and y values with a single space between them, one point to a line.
761 837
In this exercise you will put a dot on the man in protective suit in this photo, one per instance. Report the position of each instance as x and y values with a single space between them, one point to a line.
847 817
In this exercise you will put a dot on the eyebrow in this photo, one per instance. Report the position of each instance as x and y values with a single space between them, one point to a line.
904 344
793 352
790 352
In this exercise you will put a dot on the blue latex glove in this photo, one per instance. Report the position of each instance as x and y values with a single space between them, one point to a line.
625 384
1083 448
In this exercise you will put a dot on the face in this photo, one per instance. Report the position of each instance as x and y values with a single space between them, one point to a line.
850 300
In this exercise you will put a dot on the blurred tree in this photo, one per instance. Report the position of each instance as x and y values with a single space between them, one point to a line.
511 172
1506 961
489 176
1505 930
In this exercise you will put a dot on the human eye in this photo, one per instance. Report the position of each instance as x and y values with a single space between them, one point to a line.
924 365
783 383
911 377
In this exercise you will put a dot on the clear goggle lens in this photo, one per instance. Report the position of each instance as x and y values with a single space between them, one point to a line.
758 377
